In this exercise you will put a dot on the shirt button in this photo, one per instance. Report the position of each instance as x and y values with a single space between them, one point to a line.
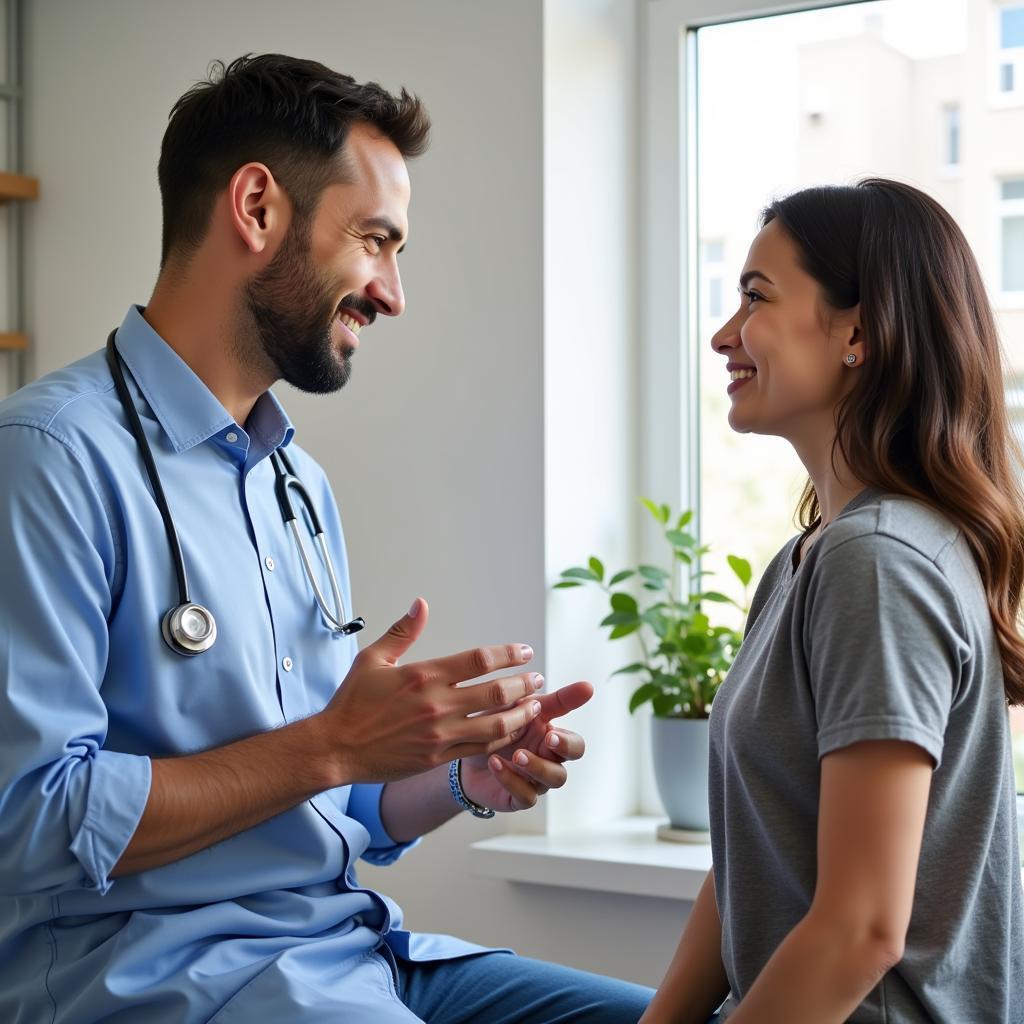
231 437
286 664
269 562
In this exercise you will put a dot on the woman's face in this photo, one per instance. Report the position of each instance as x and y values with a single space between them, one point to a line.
785 350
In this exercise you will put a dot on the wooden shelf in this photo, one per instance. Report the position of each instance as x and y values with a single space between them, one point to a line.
10 341
18 186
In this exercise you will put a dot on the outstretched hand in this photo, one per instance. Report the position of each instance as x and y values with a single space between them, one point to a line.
516 776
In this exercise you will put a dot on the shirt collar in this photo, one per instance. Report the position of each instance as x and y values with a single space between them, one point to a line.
186 408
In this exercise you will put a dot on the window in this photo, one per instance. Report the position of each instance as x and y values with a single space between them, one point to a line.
1011 49
1011 236
951 135
712 275
803 125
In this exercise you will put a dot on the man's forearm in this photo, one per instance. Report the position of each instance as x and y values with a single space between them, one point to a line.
201 799
410 808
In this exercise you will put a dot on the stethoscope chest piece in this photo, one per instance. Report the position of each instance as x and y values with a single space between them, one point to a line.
189 629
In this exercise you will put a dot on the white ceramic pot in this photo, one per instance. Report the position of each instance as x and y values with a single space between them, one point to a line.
680 747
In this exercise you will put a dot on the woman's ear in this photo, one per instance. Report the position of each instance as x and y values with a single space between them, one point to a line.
847 331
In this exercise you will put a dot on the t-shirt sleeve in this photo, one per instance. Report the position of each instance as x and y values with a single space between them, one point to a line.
885 644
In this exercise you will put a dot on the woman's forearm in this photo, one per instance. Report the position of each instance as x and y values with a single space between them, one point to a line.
819 975
695 984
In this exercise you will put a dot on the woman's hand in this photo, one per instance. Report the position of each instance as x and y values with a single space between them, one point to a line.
516 776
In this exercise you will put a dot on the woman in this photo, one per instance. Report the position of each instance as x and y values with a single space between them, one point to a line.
862 795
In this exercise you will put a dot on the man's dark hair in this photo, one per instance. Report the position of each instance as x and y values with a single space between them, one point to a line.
292 115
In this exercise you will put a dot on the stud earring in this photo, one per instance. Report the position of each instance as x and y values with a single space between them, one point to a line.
851 359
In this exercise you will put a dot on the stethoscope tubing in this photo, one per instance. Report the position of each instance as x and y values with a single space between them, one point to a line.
285 481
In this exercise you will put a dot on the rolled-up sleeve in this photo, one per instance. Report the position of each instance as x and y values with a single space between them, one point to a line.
364 806
68 807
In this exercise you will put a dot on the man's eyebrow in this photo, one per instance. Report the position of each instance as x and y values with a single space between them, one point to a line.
389 227
749 276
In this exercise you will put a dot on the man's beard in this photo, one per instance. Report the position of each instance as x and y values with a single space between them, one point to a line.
291 310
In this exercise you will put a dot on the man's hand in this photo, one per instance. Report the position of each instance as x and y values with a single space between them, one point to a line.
387 721
516 775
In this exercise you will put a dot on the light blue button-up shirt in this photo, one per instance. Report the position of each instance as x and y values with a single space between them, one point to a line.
89 692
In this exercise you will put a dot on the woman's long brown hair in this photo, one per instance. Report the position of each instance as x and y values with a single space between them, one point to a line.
927 417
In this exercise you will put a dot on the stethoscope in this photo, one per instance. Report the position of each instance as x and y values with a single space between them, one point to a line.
189 628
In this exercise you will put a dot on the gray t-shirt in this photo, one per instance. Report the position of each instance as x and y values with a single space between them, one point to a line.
882 632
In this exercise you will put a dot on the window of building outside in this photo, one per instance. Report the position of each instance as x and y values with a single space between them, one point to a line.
1011 48
951 136
1011 240
804 125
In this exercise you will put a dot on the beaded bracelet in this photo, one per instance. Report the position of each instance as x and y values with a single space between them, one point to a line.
455 784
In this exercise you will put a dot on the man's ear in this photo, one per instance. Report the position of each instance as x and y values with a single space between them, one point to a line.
260 208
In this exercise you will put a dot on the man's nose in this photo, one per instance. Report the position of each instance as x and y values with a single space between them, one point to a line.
386 294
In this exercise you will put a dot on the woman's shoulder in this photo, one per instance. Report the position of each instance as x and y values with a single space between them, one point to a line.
882 524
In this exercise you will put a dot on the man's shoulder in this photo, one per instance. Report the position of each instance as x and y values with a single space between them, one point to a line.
64 403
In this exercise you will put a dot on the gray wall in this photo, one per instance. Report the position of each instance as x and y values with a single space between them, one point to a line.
438 449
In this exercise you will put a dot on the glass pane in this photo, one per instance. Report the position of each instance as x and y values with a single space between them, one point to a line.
715 296
952 141
1013 254
1011 27
1006 78
714 252
1013 189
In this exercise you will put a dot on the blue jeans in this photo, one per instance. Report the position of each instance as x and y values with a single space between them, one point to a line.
501 988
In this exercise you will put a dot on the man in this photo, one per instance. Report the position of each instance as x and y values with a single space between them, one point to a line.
182 805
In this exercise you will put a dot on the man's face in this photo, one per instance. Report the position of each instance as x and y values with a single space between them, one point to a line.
334 273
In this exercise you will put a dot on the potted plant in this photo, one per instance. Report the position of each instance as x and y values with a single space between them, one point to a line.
685 657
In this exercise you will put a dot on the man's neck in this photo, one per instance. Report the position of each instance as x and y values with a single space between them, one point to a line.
200 323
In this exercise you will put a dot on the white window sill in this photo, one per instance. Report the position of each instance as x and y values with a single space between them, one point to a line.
623 856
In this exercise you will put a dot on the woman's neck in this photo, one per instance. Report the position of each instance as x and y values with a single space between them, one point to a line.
834 483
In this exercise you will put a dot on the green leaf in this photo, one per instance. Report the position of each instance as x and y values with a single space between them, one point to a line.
679 539
620 576
643 694
619 619
741 567
581 574
565 584
624 630
696 645
656 621
665 704
683 557
684 519
624 603
637 666
597 568
714 595
654 573
660 512
652 586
